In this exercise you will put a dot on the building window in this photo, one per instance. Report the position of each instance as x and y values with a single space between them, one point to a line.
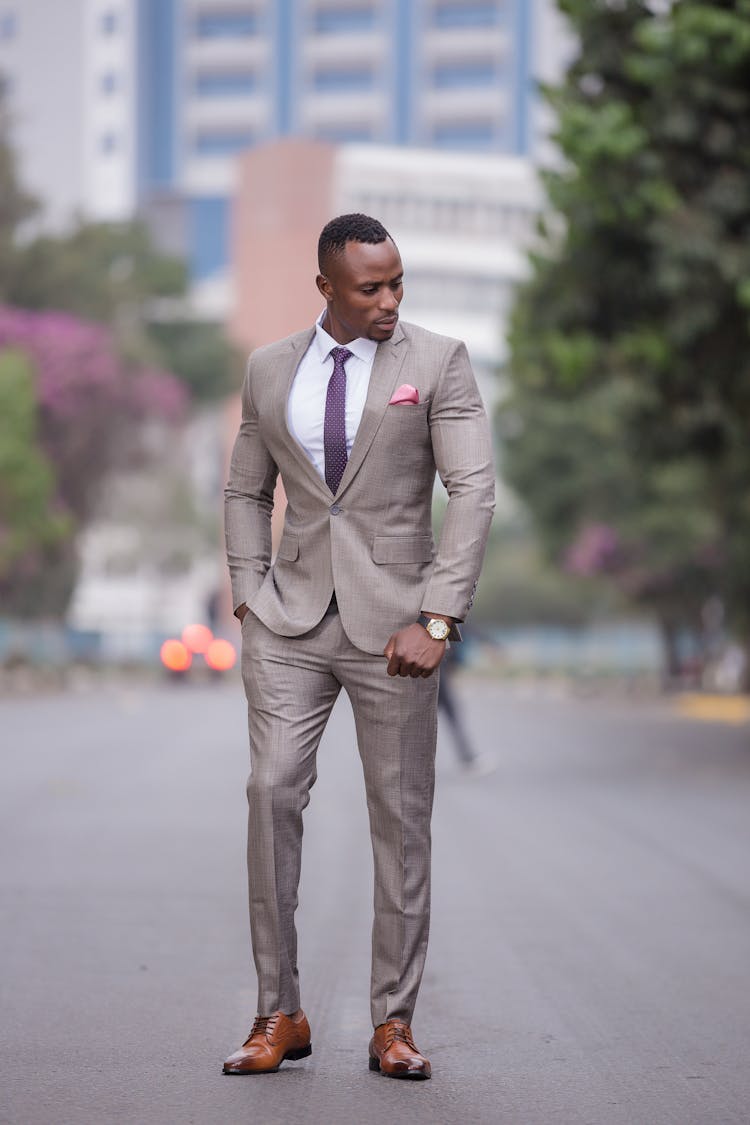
333 21
458 291
345 134
109 22
464 134
475 13
451 76
336 80
109 83
8 25
224 83
223 143
108 143
225 25
208 235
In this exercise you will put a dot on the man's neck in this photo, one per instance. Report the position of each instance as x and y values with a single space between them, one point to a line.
335 334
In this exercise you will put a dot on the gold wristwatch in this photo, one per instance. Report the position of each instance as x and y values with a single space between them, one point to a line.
438 630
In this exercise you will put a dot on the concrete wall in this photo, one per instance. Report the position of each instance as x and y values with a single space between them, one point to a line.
283 200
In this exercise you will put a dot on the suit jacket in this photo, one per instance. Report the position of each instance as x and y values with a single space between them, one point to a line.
373 542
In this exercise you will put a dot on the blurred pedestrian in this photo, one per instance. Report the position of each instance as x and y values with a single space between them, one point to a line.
356 414
470 759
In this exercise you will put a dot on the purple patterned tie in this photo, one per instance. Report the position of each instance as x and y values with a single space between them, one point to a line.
334 424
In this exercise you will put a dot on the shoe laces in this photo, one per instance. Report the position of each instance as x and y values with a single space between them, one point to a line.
262 1026
401 1033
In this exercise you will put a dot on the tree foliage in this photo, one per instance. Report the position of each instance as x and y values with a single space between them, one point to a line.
33 525
83 380
96 270
630 345
73 411
112 273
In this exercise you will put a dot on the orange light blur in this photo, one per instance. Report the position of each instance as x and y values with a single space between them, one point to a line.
197 637
220 656
175 656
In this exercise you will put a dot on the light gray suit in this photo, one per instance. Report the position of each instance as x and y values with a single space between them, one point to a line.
373 545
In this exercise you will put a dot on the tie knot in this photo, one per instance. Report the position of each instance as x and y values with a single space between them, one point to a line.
340 355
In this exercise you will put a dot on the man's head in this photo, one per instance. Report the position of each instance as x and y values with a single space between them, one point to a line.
361 278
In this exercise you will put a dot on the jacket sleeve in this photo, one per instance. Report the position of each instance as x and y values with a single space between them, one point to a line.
248 503
462 447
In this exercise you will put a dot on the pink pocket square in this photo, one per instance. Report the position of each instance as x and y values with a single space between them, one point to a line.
405 393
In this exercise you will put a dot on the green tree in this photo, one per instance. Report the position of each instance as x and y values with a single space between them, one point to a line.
16 206
198 352
72 425
630 346
112 273
34 531
101 271
74 394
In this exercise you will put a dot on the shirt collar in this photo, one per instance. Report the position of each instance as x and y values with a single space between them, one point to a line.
361 347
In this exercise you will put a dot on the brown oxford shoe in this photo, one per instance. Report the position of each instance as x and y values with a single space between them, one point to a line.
392 1052
272 1039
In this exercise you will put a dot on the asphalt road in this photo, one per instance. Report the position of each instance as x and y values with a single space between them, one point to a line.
590 952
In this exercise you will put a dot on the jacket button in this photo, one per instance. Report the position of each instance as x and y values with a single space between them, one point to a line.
335 509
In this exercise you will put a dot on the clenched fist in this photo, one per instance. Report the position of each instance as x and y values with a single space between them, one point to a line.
413 652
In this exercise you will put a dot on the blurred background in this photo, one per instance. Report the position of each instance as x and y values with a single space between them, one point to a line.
568 185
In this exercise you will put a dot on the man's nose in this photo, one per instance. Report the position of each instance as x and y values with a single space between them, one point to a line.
389 301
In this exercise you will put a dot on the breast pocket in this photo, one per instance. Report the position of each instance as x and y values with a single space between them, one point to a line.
407 413
405 433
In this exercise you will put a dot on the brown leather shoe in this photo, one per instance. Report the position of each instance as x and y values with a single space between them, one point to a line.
392 1052
271 1040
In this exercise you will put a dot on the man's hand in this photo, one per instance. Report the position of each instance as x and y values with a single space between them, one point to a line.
412 652
240 612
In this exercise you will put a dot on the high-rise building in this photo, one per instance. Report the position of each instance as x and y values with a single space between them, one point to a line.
67 71
125 103
218 77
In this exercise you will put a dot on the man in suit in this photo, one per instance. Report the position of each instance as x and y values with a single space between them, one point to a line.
356 414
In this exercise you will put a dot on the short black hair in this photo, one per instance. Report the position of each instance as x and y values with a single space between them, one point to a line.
347 228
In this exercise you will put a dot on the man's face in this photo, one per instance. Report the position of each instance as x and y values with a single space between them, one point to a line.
363 287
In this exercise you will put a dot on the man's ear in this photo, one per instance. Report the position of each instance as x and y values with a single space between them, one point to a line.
324 286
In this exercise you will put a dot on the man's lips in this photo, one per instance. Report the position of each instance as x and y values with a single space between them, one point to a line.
388 320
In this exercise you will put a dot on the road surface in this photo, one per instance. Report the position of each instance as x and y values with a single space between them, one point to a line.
590 951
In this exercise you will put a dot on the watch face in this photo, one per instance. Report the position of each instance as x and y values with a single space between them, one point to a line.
438 630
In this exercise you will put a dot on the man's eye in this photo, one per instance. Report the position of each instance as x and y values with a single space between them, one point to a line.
370 289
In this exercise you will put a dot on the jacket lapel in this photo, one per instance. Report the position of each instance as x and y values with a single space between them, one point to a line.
386 367
298 345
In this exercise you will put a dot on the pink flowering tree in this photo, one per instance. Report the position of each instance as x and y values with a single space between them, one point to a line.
90 409
661 560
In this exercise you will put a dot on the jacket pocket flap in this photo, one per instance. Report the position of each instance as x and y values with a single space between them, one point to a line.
402 548
288 548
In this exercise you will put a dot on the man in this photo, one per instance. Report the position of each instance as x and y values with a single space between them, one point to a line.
356 414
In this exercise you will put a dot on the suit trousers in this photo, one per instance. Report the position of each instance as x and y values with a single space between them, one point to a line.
291 685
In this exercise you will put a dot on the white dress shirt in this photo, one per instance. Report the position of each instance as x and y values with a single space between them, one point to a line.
307 400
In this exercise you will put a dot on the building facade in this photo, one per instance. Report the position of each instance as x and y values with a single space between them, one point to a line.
463 223
121 105
217 78
67 71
